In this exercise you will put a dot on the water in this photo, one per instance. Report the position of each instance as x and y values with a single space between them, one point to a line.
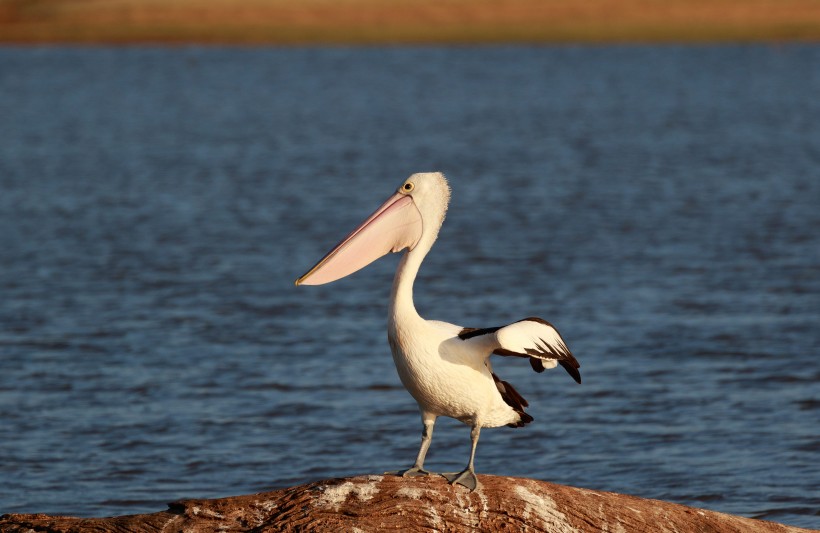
658 204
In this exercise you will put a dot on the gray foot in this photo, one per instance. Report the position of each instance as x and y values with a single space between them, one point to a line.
465 478
410 472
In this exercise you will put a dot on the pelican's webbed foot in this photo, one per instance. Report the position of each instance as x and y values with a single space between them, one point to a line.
465 478
410 472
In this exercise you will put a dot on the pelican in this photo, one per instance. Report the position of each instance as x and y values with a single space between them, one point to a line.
446 368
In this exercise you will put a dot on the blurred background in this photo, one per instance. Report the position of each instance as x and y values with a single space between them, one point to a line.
406 21
644 175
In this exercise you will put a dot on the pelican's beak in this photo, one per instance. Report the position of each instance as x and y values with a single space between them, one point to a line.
394 226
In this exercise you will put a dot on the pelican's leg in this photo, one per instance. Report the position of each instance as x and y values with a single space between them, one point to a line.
426 438
467 476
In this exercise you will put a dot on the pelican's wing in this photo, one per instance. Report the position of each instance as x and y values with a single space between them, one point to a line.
533 338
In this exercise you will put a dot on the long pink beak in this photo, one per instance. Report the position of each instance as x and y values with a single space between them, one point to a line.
394 226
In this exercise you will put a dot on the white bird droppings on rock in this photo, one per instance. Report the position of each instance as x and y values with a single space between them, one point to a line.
542 508
436 522
268 505
484 502
336 496
410 492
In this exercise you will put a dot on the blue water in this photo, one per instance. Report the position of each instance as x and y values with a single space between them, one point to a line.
660 205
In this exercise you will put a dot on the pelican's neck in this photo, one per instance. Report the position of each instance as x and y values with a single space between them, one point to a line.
403 313
432 206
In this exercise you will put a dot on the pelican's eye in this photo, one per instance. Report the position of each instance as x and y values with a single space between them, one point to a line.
407 187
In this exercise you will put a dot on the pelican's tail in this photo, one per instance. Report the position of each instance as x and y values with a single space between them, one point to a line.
514 400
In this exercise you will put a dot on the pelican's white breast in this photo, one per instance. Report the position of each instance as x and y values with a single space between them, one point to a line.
446 375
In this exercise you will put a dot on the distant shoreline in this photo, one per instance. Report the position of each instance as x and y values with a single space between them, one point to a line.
372 22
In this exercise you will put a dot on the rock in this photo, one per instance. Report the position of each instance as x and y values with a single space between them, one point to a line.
380 503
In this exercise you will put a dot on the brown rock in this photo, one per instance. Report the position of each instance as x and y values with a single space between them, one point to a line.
385 503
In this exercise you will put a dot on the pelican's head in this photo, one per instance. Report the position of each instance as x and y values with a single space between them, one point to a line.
413 214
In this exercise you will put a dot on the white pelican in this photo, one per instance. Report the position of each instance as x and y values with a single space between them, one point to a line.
445 367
